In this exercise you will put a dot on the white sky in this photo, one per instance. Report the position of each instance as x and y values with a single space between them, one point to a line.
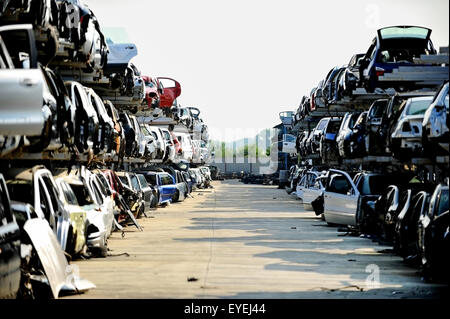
244 61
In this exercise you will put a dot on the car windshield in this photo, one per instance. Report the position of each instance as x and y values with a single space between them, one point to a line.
404 32
418 106
166 179
82 195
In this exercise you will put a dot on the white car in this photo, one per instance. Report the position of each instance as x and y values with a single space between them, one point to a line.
407 135
22 89
160 141
170 147
310 187
350 201
97 228
288 144
101 197
186 146
150 142
313 190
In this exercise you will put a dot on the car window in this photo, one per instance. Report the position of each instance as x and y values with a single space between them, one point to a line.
333 127
321 125
20 191
417 209
339 184
378 108
68 194
100 186
124 180
135 182
418 107
97 192
5 59
103 181
51 191
82 194
151 179
442 207
18 44
142 180
166 179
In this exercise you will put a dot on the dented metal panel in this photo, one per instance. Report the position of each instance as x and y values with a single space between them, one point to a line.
59 274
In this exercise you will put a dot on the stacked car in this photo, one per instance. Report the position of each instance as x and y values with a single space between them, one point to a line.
372 143
79 127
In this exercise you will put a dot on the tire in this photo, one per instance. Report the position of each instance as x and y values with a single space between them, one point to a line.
176 196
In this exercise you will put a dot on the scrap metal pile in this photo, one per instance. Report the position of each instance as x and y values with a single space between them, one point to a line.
88 144
371 143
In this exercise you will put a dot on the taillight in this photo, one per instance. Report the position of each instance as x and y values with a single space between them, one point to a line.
379 71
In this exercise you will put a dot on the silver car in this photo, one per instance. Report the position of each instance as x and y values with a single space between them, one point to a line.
434 126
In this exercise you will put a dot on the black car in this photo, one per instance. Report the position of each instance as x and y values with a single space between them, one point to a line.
358 147
349 80
433 238
374 117
328 148
406 227
345 133
131 143
393 47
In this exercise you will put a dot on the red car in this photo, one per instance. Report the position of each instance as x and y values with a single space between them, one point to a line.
172 90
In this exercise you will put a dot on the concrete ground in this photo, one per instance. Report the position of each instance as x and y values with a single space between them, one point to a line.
247 241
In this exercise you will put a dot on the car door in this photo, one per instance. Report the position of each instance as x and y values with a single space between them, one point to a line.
167 187
61 216
172 90
312 190
340 199
21 83
10 272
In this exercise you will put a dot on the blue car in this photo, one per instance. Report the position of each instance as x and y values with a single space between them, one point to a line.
165 184
393 47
